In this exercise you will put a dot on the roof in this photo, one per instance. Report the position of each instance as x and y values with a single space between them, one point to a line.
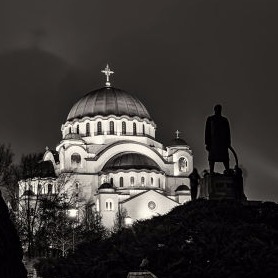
145 192
108 101
73 136
127 161
106 185
182 187
178 142
38 169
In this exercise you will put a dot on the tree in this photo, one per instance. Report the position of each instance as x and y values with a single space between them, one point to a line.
8 174
57 228
6 159
32 171
119 221
42 217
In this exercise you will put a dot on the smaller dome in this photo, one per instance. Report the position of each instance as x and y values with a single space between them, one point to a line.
182 187
177 142
130 161
106 185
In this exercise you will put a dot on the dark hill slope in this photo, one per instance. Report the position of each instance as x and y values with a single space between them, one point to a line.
11 254
199 239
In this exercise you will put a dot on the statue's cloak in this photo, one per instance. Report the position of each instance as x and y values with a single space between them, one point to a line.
217 138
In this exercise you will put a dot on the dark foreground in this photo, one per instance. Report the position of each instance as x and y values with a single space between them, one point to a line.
11 255
199 239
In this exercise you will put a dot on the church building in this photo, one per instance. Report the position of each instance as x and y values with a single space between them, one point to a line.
109 157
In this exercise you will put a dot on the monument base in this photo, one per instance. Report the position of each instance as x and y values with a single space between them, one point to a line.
218 187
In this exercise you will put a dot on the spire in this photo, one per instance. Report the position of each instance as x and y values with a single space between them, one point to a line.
107 72
178 134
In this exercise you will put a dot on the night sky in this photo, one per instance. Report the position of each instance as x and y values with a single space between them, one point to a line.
178 57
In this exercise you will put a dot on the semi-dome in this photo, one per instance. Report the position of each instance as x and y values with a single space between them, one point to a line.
182 187
127 161
73 136
106 185
108 101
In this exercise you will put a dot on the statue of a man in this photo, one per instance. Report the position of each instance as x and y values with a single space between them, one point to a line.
217 139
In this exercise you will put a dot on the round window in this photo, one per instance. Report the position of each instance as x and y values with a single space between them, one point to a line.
151 205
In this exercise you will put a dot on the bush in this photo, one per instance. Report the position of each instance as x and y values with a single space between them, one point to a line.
199 239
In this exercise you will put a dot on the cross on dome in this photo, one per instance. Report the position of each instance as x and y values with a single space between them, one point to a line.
178 134
107 72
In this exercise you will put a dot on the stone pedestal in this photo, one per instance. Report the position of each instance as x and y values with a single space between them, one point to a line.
218 186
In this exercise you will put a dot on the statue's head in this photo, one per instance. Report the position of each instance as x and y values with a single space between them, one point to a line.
218 109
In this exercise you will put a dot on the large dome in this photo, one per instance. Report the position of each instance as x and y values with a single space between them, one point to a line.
128 161
108 101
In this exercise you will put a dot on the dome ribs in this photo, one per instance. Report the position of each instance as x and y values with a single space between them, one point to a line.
108 101
116 103
87 99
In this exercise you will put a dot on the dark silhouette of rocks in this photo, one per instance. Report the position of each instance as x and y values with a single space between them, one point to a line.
11 254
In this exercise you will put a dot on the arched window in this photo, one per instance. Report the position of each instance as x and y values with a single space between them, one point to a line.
134 129
99 128
124 128
111 181
87 129
109 205
76 186
143 181
183 164
121 182
132 181
69 130
75 159
77 129
49 188
151 181
112 127
143 129
159 182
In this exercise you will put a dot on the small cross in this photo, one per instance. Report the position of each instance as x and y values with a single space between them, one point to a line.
178 134
107 72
